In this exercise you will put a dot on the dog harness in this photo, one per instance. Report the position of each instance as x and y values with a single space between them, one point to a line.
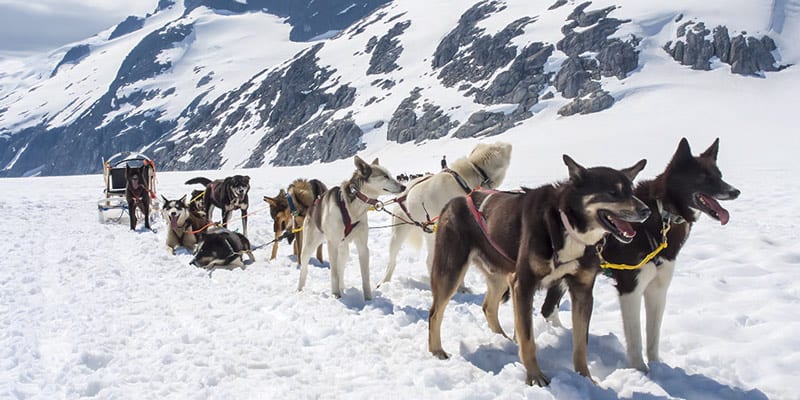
186 228
481 220
292 208
667 219
401 201
138 192
348 223
375 203
461 182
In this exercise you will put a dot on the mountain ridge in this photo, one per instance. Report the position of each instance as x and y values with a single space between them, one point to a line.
186 93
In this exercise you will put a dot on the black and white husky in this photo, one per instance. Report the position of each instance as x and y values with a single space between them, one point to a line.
179 225
222 247
340 217
688 187
227 194
531 240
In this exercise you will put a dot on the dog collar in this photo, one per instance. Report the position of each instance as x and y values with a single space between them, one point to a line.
570 230
377 204
461 182
486 180
668 216
292 208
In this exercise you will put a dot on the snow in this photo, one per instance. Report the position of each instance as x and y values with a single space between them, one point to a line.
98 310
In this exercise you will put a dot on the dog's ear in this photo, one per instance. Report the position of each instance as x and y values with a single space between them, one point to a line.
165 199
576 171
362 167
282 192
183 200
712 151
634 170
375 161
247 179
683 153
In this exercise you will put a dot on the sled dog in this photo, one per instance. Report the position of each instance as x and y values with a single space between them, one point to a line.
179 230
523 241
288 210
689 186
197 214
137 194
340 217
227 194
425 197
222 247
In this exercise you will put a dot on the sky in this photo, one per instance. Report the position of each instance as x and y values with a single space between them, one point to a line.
28 26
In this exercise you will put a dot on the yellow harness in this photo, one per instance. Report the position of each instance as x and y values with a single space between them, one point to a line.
607 265
199 195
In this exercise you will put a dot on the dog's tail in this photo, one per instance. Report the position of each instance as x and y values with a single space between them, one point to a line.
200 180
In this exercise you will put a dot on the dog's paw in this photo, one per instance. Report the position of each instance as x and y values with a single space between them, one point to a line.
587 375
440 354
539 379
641 366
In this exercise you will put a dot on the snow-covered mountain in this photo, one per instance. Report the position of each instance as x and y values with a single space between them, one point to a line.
209 84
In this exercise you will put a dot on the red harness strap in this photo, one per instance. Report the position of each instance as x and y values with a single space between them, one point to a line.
482 224
401 201
348 225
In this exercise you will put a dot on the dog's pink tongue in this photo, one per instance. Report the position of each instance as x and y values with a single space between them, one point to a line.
173 221
624 227
713 204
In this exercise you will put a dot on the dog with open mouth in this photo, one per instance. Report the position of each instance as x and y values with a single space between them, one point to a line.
179 224
643 269
532 239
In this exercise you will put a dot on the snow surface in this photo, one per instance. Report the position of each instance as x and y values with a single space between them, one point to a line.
100 311
97 310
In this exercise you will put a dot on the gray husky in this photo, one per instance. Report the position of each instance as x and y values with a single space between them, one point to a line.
340 217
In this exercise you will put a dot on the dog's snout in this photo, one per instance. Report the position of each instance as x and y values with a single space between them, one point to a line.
402 188
644 212
734 193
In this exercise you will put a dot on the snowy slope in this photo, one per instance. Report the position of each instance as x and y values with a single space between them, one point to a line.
218 97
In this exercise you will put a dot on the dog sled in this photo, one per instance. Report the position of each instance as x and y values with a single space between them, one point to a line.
114 206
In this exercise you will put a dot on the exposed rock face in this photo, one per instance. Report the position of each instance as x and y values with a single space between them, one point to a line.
747 55
73 56
309 18
292 104
406 126
598 100
579 76
130 24
468 55
386 50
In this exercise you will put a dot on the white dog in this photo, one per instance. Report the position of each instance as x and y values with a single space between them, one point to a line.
340 217
425 197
